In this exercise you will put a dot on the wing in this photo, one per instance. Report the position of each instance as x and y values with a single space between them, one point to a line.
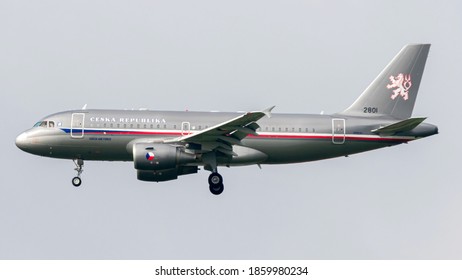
223 136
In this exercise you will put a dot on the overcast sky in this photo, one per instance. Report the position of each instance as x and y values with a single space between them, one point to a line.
302 56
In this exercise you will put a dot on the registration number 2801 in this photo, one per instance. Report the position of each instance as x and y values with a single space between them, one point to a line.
370 110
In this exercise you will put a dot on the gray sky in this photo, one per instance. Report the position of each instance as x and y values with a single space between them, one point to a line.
302 56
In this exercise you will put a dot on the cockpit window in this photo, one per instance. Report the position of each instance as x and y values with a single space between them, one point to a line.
45 124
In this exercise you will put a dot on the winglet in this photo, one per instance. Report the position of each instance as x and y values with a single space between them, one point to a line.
267 111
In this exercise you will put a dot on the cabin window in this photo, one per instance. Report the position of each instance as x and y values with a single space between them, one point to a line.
131 125
112 125
152 126
165 126
299 129
144 126
104 125
272 129
174 126
158 126
138 126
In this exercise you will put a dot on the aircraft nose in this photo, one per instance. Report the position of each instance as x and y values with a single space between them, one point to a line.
22 141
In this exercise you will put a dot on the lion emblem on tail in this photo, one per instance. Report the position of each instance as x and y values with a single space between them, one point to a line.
402 83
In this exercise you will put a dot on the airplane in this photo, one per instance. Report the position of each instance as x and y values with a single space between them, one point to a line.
166 144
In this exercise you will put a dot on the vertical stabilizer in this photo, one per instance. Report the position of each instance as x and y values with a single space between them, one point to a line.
394 91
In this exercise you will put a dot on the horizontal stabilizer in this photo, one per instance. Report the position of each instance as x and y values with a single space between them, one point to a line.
400 126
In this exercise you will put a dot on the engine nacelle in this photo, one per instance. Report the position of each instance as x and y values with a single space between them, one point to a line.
148 156
165 175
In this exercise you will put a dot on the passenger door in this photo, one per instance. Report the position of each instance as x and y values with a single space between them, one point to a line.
77 125
338 131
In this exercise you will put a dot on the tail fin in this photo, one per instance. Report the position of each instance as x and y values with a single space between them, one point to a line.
394 91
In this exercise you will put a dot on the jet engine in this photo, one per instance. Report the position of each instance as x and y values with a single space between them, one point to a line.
161 162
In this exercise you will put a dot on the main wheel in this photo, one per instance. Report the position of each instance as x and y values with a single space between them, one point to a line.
216 189
215 179
76 181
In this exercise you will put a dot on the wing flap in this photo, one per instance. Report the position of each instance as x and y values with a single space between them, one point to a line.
229 139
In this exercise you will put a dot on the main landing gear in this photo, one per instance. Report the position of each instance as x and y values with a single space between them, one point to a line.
216 183
215 180
76 181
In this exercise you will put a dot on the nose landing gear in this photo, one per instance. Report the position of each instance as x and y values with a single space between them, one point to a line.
76 181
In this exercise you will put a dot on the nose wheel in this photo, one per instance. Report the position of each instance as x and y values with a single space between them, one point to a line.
216 183
76 181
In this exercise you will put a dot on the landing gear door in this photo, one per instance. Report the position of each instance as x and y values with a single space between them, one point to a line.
77 124
338 131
